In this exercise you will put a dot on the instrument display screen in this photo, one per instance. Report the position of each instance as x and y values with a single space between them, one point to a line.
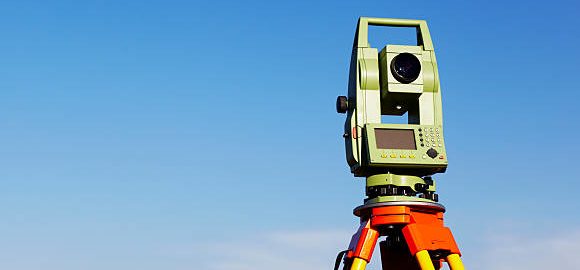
395 139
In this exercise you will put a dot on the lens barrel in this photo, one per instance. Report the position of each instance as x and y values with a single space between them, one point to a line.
405 67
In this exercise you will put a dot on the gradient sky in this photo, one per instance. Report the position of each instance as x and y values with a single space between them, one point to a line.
202 135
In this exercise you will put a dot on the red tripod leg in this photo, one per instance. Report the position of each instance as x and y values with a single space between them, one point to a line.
426 233
361 246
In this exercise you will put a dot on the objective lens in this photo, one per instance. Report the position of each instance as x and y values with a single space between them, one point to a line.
405 67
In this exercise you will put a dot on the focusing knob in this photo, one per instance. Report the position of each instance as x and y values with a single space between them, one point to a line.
432 153
341 104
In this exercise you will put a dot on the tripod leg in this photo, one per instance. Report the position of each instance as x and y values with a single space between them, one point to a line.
361 246
424 260
454 262
358 264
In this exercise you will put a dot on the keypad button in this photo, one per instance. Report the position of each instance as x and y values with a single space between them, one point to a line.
432 153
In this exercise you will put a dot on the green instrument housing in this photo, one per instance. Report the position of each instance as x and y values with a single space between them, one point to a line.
397 159
375 91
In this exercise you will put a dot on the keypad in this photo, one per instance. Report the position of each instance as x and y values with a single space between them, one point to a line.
430 137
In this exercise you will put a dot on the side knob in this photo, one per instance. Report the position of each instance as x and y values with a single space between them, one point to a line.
341 104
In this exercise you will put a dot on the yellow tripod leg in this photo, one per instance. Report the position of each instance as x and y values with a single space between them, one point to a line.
424 260
358 264
454 262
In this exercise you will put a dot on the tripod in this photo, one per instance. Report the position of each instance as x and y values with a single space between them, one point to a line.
416 238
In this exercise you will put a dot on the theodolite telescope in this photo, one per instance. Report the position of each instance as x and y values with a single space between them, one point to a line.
398 80
397 160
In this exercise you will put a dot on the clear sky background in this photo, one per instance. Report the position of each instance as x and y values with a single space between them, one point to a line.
202 135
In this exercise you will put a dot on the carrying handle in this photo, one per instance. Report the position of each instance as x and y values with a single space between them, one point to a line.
423 36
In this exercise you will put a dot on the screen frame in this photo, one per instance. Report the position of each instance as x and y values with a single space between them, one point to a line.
401 158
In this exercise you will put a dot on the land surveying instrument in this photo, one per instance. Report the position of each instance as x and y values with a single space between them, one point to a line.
398 160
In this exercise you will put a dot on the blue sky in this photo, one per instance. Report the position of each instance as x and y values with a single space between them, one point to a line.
202 135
